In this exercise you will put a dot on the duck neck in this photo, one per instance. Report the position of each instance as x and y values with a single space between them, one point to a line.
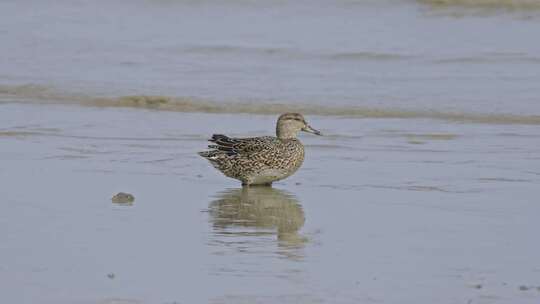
284 133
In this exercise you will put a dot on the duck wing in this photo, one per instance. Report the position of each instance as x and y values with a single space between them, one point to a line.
240 146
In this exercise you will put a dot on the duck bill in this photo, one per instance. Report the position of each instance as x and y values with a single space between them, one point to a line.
309 129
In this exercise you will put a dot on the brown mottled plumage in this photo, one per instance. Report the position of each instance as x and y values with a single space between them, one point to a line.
261 160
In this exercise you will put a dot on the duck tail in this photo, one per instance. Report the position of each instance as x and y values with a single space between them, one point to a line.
207 154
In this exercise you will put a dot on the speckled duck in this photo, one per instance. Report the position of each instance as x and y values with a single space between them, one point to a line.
261 160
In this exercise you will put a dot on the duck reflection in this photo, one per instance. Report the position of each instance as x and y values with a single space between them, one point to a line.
253 214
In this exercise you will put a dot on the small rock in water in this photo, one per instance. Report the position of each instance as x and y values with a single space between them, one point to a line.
475 285
523 288
123 198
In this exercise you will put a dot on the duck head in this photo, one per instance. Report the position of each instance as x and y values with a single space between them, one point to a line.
289 124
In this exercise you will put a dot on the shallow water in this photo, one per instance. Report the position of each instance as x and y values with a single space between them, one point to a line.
383 210
387 55
424 188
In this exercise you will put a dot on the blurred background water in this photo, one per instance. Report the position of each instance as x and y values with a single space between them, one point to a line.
443 56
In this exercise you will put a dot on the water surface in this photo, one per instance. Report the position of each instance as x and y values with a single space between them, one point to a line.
389 55
424 189
382 211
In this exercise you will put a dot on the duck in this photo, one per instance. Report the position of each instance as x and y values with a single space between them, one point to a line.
260 161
